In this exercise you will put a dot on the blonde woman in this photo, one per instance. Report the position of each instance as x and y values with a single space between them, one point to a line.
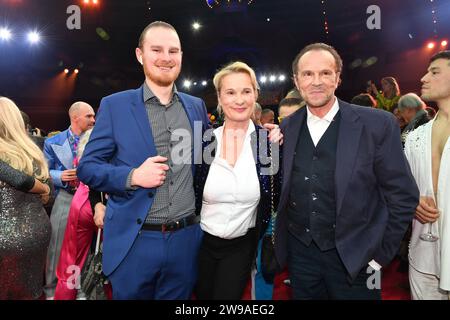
388 98
24 224
234 189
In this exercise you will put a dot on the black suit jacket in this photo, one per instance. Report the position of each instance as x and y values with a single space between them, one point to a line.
376 195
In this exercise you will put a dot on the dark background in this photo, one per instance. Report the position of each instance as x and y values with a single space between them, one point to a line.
32 75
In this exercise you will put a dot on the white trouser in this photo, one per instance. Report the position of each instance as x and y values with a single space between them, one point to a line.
425 286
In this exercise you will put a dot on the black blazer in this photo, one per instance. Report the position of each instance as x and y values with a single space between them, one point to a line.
376 195
259 147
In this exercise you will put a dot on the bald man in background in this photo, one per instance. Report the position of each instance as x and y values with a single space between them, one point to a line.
61 154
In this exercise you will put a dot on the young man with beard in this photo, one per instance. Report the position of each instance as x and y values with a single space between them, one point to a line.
151 233
428 151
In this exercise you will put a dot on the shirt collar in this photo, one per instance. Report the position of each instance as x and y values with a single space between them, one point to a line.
328 117
148 93
251 128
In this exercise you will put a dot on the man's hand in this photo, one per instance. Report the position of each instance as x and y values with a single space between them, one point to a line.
275 134
426 211
151 173
99 214
69 175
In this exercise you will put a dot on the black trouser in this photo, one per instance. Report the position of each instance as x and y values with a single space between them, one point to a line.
321 275
225 266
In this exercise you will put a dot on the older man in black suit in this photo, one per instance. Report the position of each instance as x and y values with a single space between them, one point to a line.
348 194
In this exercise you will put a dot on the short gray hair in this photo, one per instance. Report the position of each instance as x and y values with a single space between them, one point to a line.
411 101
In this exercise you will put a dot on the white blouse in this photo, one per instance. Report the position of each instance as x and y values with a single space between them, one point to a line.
430 257
231 194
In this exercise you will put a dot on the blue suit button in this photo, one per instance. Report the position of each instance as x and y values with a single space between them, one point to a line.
139 221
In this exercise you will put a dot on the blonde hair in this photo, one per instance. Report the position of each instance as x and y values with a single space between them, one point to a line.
234 67
16 147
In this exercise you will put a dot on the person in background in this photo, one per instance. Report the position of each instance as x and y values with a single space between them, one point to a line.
61 154
24 225
86 215
288 106
428 151
256 117
388 98
364 99
267 116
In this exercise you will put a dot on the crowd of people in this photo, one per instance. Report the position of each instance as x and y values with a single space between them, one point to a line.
341 188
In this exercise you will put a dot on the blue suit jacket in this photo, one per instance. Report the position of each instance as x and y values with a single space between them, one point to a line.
376 195
122 140
59 156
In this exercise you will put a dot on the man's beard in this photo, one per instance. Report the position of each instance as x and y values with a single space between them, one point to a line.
164 80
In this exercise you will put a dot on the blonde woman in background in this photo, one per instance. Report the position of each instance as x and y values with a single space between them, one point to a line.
24 225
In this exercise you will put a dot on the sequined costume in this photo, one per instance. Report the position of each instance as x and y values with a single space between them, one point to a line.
24 236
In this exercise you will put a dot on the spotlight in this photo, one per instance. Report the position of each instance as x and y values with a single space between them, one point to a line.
195 83
95 1
76 71
86 1
196 26
204 83
33 37
66 71
281 78
430 45
272 78
5 34
263 79
187 84
444 43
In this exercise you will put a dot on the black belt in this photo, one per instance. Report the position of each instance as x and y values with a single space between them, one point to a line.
173 225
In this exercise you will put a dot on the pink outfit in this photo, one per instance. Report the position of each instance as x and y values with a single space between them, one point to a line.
77 242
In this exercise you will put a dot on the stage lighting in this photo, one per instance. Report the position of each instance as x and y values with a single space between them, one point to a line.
444 43
430 45
187 84
33 37
5 34
76 71
66 71
95 1
281 78
204 83
86 1
272 78
196 26
263 79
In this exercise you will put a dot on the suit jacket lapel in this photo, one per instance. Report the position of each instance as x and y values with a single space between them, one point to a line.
292 131
347 148
64 153
188 108
140 114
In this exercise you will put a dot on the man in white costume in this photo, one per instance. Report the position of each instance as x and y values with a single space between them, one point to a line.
428 151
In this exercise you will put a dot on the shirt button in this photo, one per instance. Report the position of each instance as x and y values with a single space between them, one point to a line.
306 229
171 183
293 203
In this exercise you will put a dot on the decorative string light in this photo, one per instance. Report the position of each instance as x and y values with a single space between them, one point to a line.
214 3
434 17
325 18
